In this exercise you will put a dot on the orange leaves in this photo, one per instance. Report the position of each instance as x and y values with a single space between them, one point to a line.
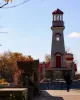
47 58
25 58
0 81
8 0
29 58
15 56
10 60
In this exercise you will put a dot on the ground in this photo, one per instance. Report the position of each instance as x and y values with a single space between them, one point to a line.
59 95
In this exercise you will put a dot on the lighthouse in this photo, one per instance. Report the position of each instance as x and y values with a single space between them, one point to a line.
58 59
61 61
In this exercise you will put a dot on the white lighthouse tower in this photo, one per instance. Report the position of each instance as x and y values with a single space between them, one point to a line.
58 48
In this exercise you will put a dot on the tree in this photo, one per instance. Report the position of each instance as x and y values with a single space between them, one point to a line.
8 65
47 58
6 2
77 76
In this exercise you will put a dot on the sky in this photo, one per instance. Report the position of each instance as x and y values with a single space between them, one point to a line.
29 27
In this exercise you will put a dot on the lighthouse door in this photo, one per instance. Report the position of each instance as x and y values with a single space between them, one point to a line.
58 61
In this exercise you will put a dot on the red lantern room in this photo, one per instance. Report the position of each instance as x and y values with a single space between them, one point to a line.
58 15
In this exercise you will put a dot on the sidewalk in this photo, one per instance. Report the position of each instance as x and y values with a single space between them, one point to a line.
59 95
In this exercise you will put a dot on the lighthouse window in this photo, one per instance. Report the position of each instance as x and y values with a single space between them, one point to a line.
57 38
57 17
54 17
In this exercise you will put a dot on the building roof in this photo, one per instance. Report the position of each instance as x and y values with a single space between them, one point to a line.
69 54
57 11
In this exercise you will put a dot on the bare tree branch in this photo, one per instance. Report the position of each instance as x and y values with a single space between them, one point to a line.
25 1
4 4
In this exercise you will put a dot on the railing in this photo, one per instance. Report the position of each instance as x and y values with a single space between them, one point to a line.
58 85
58 23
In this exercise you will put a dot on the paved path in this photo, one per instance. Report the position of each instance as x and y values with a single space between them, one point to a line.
59 95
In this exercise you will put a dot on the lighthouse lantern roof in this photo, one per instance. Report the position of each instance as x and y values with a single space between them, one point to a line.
57 11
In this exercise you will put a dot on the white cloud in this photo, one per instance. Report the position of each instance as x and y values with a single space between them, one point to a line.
74 35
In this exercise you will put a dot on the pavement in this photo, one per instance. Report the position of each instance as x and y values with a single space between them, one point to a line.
59 95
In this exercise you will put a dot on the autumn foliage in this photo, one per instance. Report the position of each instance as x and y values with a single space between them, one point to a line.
8 0
8 65
77 76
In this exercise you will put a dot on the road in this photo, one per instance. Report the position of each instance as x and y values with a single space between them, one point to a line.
59 95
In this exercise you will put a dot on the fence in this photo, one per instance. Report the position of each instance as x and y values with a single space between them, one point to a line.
57 85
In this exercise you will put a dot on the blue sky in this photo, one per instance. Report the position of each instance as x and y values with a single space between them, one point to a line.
28 27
